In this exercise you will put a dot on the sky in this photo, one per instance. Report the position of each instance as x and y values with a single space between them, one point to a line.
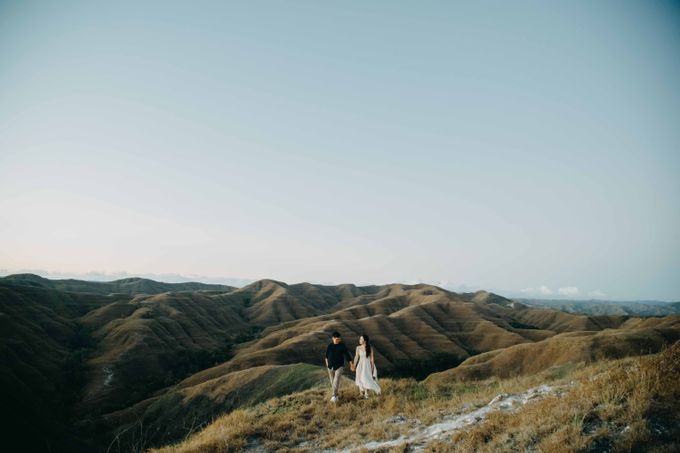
530 148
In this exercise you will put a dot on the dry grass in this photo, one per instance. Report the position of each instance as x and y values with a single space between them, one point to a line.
288 422
624 405
628 405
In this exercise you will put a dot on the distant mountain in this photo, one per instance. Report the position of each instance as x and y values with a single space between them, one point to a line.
130 286
607 307
85 363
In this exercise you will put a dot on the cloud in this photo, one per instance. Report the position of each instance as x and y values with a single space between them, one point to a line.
568 291
542 290
597 294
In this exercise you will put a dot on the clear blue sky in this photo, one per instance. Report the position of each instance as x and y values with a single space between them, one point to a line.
525 147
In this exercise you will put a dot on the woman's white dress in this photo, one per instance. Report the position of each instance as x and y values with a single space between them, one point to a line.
365 378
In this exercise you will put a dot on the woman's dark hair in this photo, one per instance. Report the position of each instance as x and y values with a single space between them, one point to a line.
367 345
336 334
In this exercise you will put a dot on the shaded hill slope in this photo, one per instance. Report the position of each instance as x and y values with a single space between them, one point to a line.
42 354
72 356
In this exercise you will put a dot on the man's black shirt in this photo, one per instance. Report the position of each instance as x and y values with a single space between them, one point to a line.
335 353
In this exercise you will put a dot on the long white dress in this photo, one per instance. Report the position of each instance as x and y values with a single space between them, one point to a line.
364 378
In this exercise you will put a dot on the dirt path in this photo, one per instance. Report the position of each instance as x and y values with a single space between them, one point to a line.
419 437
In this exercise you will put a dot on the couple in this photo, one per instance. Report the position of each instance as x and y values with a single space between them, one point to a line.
363 364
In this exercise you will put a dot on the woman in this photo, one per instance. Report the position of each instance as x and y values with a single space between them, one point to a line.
364 365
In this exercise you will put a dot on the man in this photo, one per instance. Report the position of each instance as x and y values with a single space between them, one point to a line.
336 353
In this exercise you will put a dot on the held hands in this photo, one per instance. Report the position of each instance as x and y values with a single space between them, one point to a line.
352 366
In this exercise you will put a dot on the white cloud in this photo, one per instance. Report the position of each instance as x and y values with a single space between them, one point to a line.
597 294
568 291
542 290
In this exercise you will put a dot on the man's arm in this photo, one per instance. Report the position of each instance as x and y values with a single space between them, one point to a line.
328 348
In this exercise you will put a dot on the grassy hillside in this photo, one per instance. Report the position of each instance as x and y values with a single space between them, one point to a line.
621 405
187 408
573 347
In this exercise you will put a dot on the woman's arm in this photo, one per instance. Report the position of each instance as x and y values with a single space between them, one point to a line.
356 356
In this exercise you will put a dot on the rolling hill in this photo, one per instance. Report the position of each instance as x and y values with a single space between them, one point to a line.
420 324
138 362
